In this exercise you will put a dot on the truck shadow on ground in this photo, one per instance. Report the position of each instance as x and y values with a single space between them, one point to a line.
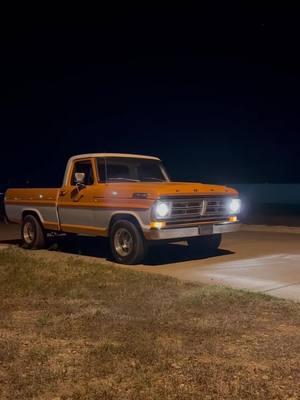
14 242
157 255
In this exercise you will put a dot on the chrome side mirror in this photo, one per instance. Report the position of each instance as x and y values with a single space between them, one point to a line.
79 179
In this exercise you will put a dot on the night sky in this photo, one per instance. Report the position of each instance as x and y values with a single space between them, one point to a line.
216 98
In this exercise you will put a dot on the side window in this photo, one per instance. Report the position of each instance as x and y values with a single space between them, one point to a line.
87 169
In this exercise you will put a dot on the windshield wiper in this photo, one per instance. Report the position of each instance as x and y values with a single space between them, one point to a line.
123 179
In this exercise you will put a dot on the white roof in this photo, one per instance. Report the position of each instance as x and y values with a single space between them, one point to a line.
92 155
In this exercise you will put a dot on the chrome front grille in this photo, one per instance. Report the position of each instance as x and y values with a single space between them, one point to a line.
217 207
198 208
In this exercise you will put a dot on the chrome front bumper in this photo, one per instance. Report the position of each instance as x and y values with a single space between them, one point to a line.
186 232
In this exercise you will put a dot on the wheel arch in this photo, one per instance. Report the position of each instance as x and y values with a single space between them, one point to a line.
34 212
127 216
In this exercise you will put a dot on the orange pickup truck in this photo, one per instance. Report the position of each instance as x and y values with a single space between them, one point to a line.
128 198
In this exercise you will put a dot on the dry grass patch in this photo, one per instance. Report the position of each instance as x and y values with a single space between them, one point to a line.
75 329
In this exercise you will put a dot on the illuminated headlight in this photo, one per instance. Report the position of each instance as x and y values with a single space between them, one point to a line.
234 206
162 210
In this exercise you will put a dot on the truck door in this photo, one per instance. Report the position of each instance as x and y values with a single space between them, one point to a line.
76 203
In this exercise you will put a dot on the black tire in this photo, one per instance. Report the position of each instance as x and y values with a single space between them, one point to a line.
32 233
205 244
136 244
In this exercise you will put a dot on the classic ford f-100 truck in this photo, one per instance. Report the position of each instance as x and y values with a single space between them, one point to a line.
128 198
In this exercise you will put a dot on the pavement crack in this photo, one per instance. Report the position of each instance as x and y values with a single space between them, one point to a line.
281 287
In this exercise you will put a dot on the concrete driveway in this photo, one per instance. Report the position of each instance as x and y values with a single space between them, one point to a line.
260 261
267 262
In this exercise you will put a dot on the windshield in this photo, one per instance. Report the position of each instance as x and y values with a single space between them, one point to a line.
126 169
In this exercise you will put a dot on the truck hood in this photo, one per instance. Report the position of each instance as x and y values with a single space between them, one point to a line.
155 190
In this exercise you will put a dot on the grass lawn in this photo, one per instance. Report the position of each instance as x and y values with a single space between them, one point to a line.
71 328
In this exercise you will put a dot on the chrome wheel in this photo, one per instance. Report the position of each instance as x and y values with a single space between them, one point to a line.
28 233
123 242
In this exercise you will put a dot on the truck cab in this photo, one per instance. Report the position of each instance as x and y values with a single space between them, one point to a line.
131 200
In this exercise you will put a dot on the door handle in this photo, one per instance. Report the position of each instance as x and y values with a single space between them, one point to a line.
63 192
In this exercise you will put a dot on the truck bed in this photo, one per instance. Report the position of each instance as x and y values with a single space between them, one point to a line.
17 200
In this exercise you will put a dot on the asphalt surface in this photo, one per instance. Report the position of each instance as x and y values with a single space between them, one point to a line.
261 261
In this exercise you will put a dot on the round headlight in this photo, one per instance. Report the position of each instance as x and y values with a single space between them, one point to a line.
162 210
235 206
